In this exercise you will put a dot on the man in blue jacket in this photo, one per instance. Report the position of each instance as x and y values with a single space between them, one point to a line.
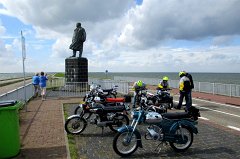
35 82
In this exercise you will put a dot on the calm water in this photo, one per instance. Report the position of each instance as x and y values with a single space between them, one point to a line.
13 75
230 78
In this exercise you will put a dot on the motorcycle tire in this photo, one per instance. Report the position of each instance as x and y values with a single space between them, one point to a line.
120 140
73 125
188 135
79 110
120 119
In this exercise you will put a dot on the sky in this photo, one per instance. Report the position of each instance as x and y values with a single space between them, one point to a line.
122 35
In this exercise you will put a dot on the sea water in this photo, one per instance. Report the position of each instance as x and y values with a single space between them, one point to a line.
227 78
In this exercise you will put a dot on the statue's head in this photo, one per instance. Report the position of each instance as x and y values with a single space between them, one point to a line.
78 25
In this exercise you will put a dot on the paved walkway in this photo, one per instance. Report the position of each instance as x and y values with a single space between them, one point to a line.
42 129
42 126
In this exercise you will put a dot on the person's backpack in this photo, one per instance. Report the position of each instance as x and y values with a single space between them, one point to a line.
187 86
191 80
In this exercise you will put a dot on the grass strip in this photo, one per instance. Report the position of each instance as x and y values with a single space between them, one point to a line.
71 139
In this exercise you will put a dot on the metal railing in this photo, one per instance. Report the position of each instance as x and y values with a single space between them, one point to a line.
231 90
18 94
58 87
78 89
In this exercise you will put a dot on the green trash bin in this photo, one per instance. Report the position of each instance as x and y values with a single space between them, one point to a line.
9 128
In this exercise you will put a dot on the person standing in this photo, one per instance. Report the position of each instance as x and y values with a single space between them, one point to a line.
184 90
35 82
79 37
191 87
43 85
137 86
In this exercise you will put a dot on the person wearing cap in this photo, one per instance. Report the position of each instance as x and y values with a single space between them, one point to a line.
137 86
163 84
184 90
35 82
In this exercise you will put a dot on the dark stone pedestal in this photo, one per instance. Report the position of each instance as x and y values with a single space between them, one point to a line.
76 70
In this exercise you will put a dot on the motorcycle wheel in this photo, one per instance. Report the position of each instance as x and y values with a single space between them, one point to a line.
188 136
75 125
79 111
121 145
120 120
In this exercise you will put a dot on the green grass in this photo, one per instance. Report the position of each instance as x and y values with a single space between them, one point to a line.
59 75
71 140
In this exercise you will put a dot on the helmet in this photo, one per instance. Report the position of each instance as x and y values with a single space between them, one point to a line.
139 83
181 73
165 78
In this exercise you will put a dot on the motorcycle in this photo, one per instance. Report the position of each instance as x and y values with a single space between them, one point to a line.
174 128
95 91
105 116
162 97
148 102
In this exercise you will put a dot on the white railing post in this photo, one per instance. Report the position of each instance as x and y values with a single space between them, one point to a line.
230 85
213 88
199 86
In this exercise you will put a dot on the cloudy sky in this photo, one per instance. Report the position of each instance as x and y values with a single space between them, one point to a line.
123 35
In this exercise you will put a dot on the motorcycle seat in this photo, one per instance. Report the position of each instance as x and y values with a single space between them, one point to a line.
112 100
119 108
107 90
176 115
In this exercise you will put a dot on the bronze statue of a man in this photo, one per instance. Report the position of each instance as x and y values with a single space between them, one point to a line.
79 37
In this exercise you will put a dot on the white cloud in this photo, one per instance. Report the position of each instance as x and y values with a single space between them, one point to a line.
156 20
124 37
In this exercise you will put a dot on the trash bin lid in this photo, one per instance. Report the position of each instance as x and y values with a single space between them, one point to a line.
7 103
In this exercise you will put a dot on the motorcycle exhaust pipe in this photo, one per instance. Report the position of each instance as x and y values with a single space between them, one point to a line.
104 123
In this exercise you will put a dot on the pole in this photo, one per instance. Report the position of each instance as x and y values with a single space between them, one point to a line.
23 59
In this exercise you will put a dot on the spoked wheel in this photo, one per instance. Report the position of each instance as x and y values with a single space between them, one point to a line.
75 125
184 141
79 110
125 143
119 121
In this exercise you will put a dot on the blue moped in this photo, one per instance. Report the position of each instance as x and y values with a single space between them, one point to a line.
174 128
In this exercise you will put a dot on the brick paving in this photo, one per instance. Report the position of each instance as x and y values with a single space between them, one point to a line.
42 129
42 136
210 142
